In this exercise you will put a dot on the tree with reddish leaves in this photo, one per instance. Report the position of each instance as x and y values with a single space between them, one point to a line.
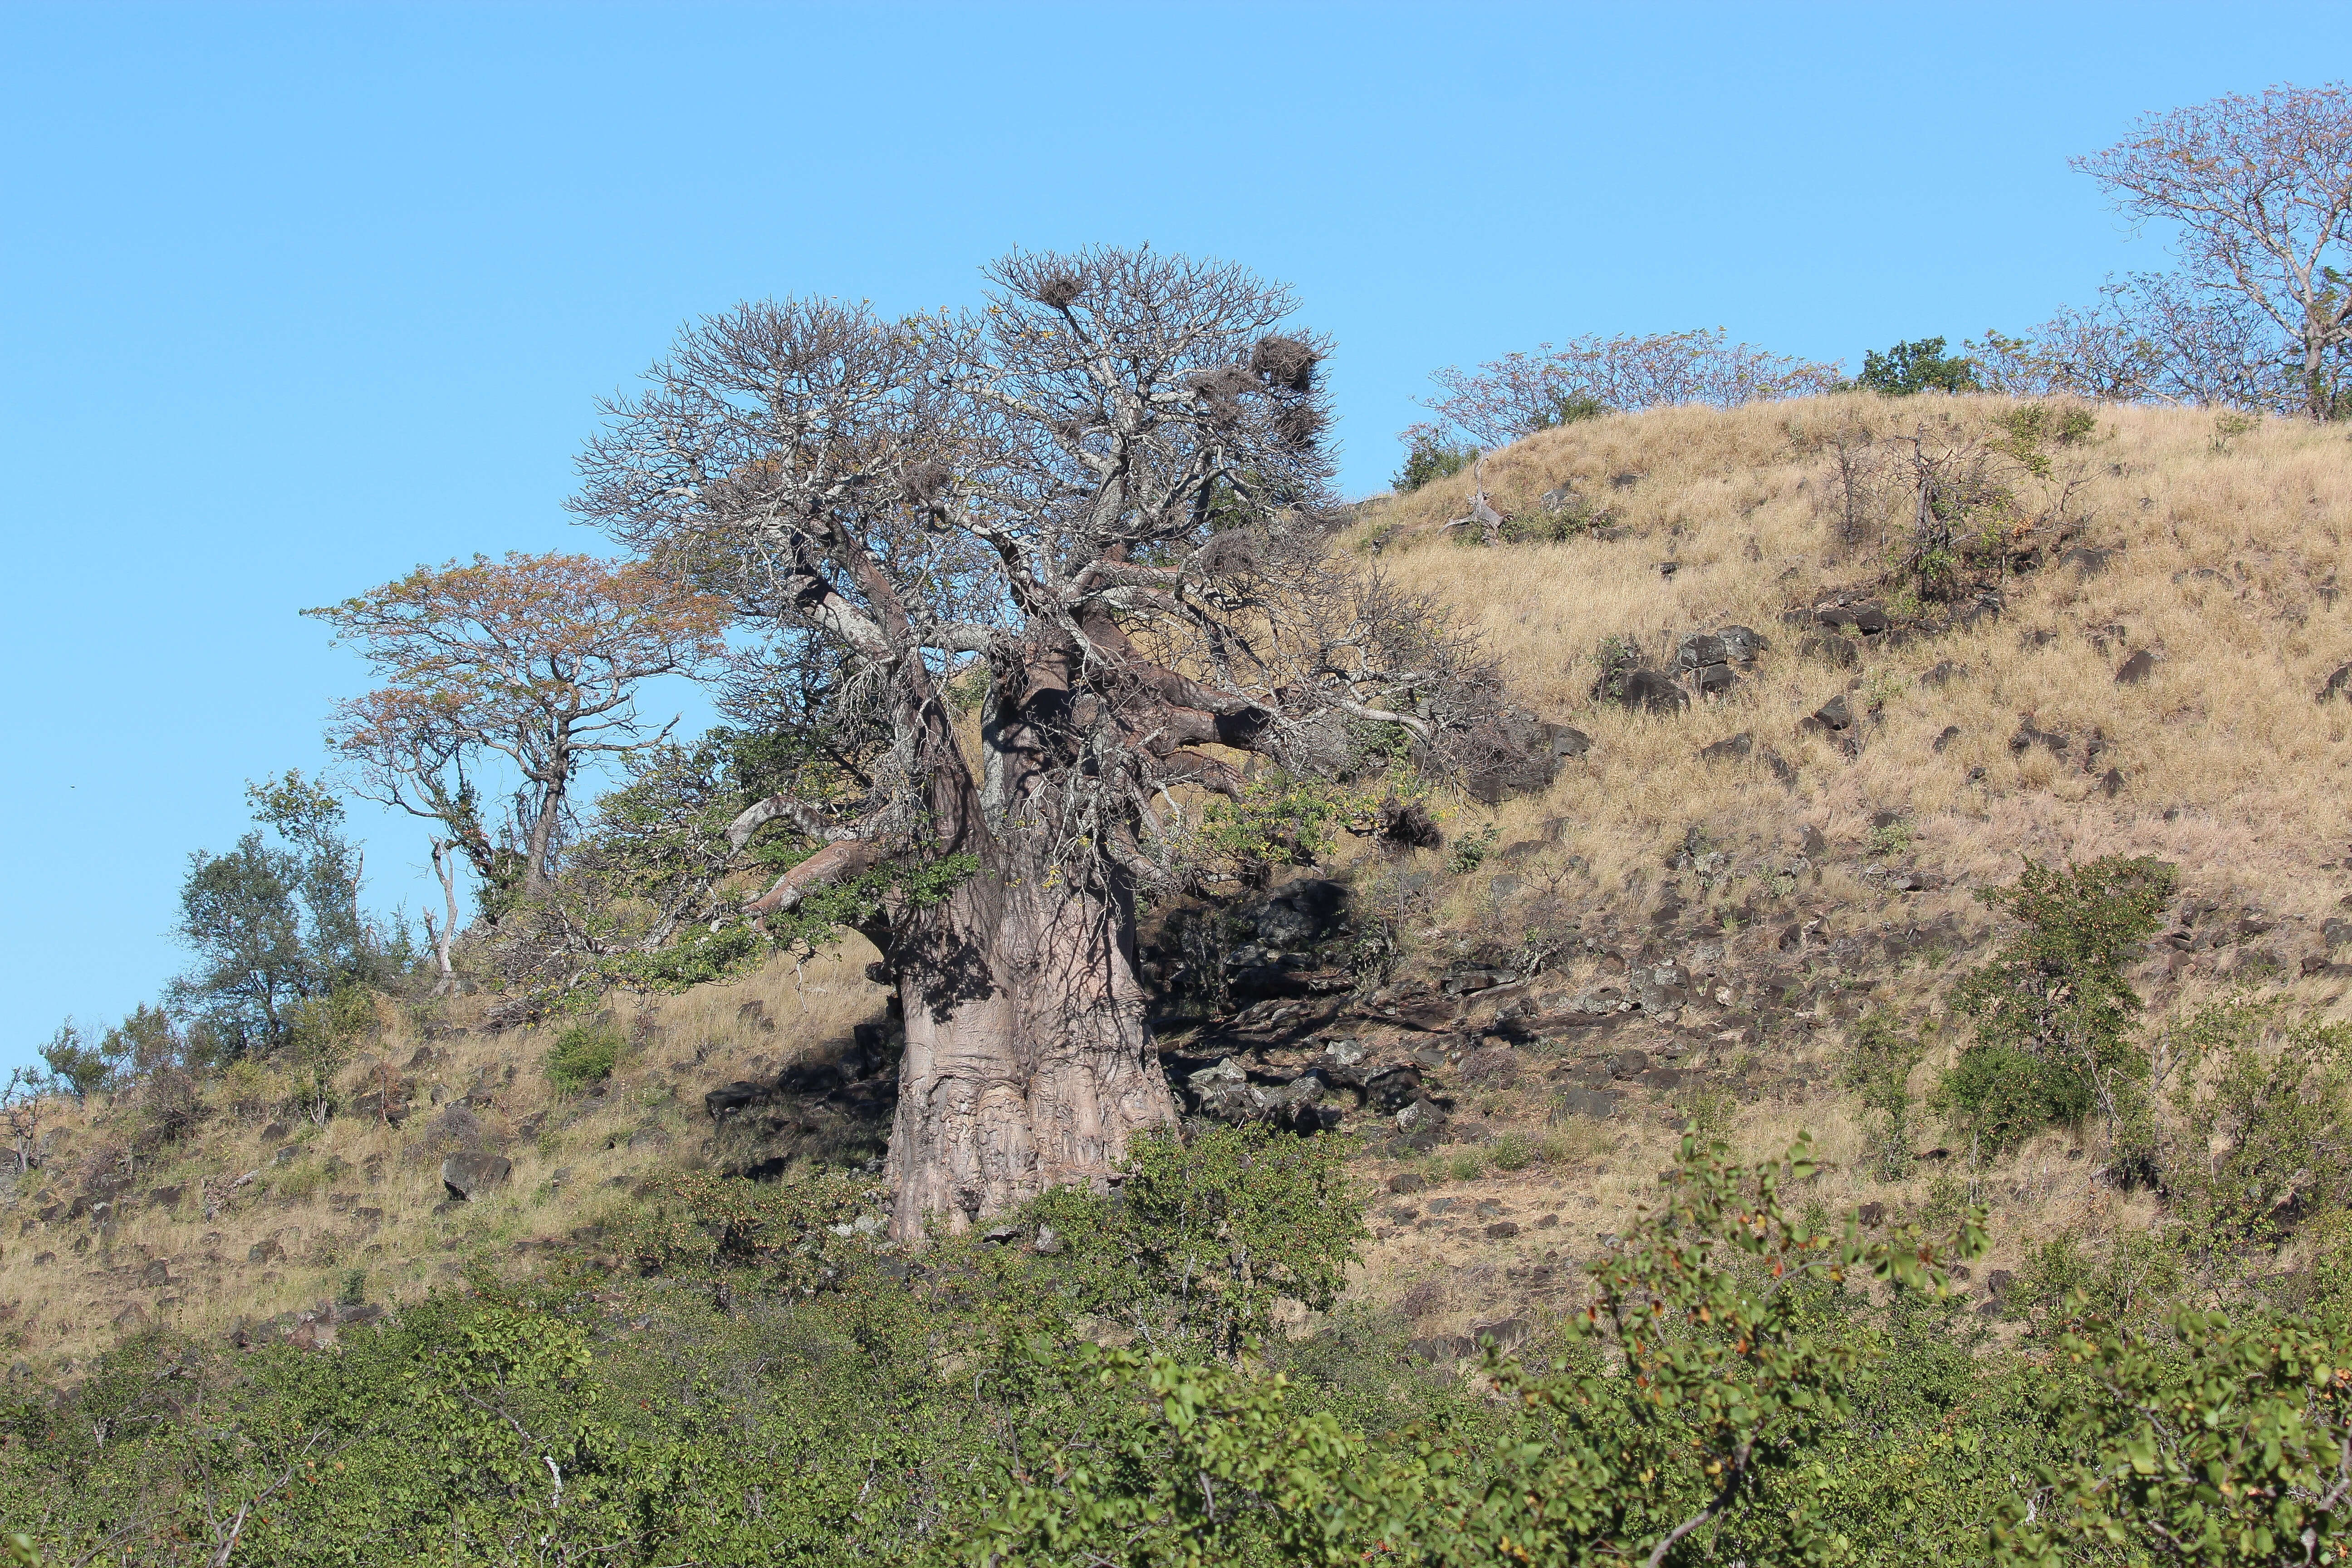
1096 507
536 659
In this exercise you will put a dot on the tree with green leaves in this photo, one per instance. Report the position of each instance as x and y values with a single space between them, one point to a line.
1921 365
2054 1009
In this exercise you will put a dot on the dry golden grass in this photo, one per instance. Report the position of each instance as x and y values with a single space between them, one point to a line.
2230 554
64 1301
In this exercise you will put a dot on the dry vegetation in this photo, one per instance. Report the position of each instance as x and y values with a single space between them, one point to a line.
2224 553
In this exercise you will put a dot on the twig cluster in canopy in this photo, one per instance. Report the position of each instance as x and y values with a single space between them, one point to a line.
1504 399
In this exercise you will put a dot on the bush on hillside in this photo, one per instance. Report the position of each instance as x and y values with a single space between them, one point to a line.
1429 460
1921 365
582 1055
2053 1009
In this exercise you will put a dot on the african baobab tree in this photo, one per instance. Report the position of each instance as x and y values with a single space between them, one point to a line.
1091 508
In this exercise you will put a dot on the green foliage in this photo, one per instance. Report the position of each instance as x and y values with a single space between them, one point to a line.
1700 1393
584 1054
74 1063
1470 851
1879 1057
276 923
2263 1112
1564 407
1209 1229
2220 1442
2053 1009
1431 459
802 1237
1920 365
2032 428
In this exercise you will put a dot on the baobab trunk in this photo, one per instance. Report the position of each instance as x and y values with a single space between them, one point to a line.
1029 1064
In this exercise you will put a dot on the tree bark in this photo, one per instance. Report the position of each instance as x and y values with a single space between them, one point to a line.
1029 1063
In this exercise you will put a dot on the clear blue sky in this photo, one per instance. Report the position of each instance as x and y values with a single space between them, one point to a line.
293 298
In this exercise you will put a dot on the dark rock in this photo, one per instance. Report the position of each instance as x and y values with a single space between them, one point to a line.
1997 1281
1501 1230
1629 1064
266 1251
1872 1214
2111 783
473 1172
1731 645
457 1124
2336 932
2089 560
1835 715
1405 1182
1813 842
2027 737
1669 567
2135 669
1951 733
2338 685
1729 750
1627 479
1423 1123
1652 693
1944 673
1828 650
156 1275
1662 1078
275 1132
1566 741
1506 1333
1300 914
755 1014
1599 1104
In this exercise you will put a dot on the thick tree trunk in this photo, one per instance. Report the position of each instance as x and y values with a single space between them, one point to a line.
1028 1061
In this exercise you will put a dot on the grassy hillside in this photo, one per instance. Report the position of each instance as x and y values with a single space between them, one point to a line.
1655 939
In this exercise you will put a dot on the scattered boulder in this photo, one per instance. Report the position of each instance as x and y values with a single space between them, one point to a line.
1731 749
1943 673
1872 1214
1405 1184
1832 650
1651 691
2135 669
1408 825
470 1175
1951 733
2338 685
1835 716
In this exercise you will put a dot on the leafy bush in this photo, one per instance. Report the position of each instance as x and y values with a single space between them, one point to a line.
806 1235
2264 1113
1209 1229
2052 1008
1429 460
1921 365
1879 1057
582 1055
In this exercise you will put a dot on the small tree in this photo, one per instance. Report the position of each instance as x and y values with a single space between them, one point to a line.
535 657
1913 367
2260 189
2054 1009
276 920
74 1065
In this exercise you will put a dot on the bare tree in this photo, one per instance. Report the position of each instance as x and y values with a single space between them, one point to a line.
2155 337
1508 398
2261 191
1090 505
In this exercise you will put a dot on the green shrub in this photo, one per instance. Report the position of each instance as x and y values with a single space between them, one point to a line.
582 1055
1511 1151
2053 1009
1921 365
1208 1231
1879 1057
1429 460
1467 1166
2263 1112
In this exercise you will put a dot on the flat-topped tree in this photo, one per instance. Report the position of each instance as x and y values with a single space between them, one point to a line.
1092 506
